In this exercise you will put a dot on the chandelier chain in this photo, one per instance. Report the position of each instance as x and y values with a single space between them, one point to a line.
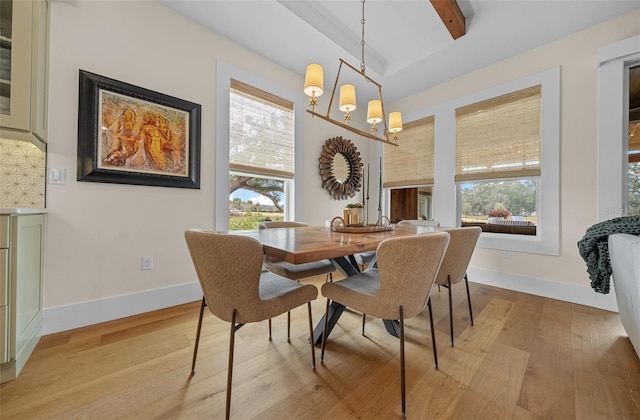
362 41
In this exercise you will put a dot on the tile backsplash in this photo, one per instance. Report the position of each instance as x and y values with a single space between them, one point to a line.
22 175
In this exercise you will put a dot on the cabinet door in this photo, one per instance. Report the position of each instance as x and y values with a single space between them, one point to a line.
4 338
15 112
27 257
4 277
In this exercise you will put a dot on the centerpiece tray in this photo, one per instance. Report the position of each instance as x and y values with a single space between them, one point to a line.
361 228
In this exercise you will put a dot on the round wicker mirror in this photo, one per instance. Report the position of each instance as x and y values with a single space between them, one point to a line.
340 179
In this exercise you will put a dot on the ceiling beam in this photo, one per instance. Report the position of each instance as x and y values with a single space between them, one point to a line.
451 16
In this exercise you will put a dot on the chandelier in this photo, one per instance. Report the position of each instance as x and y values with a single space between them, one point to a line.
313 87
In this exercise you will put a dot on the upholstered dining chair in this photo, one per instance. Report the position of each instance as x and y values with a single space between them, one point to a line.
237 290
295 271
291 271
433 223
364 258
396 289
455 263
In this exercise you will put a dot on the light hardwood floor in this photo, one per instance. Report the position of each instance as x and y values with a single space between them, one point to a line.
526 357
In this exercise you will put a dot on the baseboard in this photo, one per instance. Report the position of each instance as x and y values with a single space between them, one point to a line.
574 293
77 315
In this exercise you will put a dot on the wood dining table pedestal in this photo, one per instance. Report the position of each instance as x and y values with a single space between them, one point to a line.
306 244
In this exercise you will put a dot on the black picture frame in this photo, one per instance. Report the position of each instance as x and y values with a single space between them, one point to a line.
131 135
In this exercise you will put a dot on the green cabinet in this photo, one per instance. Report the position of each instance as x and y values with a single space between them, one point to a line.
24 32
23 275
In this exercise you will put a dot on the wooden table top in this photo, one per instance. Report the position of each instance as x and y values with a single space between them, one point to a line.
305 244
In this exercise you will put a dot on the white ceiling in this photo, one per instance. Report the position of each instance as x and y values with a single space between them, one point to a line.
407 47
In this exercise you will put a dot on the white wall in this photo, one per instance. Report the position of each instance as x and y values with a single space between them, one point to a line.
97 233
564 276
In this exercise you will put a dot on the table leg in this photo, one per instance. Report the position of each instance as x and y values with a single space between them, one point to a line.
392 326
348 267
335 310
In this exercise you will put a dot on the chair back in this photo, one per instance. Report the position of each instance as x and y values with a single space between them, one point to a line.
456 260
407 267
280 224
228 268
420 223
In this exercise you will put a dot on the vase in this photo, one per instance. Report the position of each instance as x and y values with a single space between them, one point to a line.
353 216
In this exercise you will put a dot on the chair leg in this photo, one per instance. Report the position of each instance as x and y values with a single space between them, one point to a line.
232 336
313 348
288 326
466 283
364 318
195 347
433 334
324 331
450 309
270 339
402 377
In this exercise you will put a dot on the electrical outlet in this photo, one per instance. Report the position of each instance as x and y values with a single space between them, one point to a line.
507 255
147 263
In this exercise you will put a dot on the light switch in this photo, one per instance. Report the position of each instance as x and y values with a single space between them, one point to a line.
57 176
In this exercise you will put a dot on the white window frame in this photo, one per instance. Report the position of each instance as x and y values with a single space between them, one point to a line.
446 198
293 188
614 61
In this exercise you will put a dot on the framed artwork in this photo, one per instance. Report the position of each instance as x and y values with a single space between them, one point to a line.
131 135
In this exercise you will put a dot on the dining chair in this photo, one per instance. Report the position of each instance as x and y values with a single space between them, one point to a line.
291 271
364 258
433 223
396 289
237 290
455 263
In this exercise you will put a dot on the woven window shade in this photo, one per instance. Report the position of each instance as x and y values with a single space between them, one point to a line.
261 132
411 163
499 137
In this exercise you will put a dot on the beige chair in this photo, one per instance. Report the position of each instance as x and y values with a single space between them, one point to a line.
364 258
398 288
295 271
420 223
455 263
291 271
237 290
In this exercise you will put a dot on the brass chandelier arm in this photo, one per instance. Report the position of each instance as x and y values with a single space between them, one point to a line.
348 127
352 129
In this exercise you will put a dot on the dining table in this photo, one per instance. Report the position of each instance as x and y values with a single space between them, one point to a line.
299 245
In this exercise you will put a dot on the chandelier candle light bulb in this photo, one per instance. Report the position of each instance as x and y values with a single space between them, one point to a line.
347 100
313 83
374 114
395 124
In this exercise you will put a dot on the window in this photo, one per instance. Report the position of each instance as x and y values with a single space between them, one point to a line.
408 170
507 206
449 182
499 139
614 64
261 155
222 172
